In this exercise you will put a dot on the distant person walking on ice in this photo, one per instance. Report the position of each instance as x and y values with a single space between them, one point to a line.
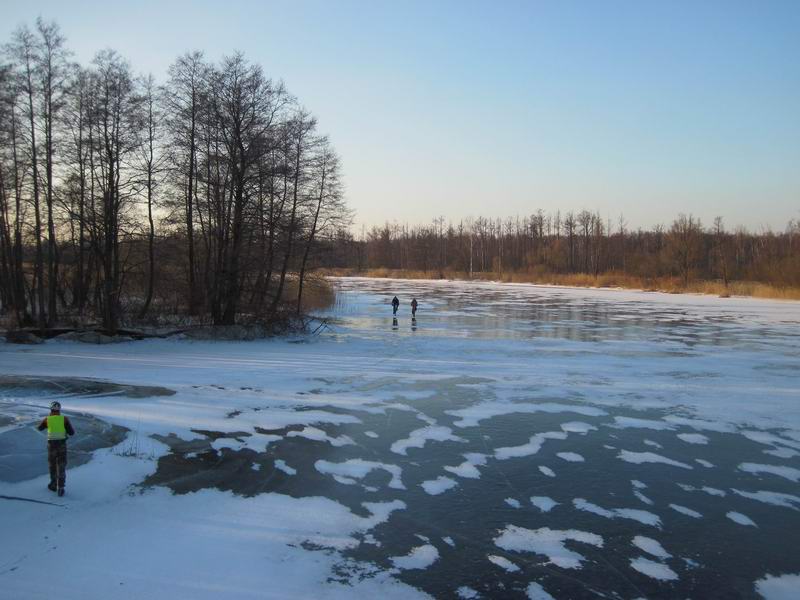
414 308
395 305
58 428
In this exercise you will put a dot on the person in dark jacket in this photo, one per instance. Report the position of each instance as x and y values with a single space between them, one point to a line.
58 428
414 308
395 305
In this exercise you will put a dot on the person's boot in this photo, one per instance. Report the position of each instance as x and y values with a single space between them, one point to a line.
51 486
60 491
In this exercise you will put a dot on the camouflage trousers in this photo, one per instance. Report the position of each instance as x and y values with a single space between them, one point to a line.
57 459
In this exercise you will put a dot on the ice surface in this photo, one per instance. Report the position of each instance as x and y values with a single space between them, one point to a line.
741 519
789 473
779 587
643 516
543 503
501 363
503 563
549 542
437 486
653 569
639 458
420 557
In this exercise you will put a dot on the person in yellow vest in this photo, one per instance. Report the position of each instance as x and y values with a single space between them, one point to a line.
58 428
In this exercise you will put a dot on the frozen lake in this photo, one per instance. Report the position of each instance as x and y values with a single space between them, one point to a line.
512 442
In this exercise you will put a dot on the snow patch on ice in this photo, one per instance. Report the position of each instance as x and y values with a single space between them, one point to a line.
651 546
549 542
532 447
503 563
635 514
789 473
420 557
317 435
741 519
774 498
658 571
437 486
570 456
634 423
637 458
701 424
577 427
642 497
686 511
704 463
371 434
547 471
419 437
357 468
537 592
693 438
782 452
467 593
653 444
473 415
282 466
779 587
543 503
468 469
513 503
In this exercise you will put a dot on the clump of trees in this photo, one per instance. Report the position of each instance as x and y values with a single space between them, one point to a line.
206 195
578 243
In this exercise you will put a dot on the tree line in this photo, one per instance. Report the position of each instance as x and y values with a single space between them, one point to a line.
124 198
577 243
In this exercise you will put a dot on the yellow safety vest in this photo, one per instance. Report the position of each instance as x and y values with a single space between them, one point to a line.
55 428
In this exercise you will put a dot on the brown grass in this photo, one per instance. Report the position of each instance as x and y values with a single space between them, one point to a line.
671 285
318 293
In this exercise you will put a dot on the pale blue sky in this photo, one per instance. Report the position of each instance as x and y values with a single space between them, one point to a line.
499 108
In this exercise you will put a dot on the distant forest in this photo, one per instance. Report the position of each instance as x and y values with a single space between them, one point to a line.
124 198
582 248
